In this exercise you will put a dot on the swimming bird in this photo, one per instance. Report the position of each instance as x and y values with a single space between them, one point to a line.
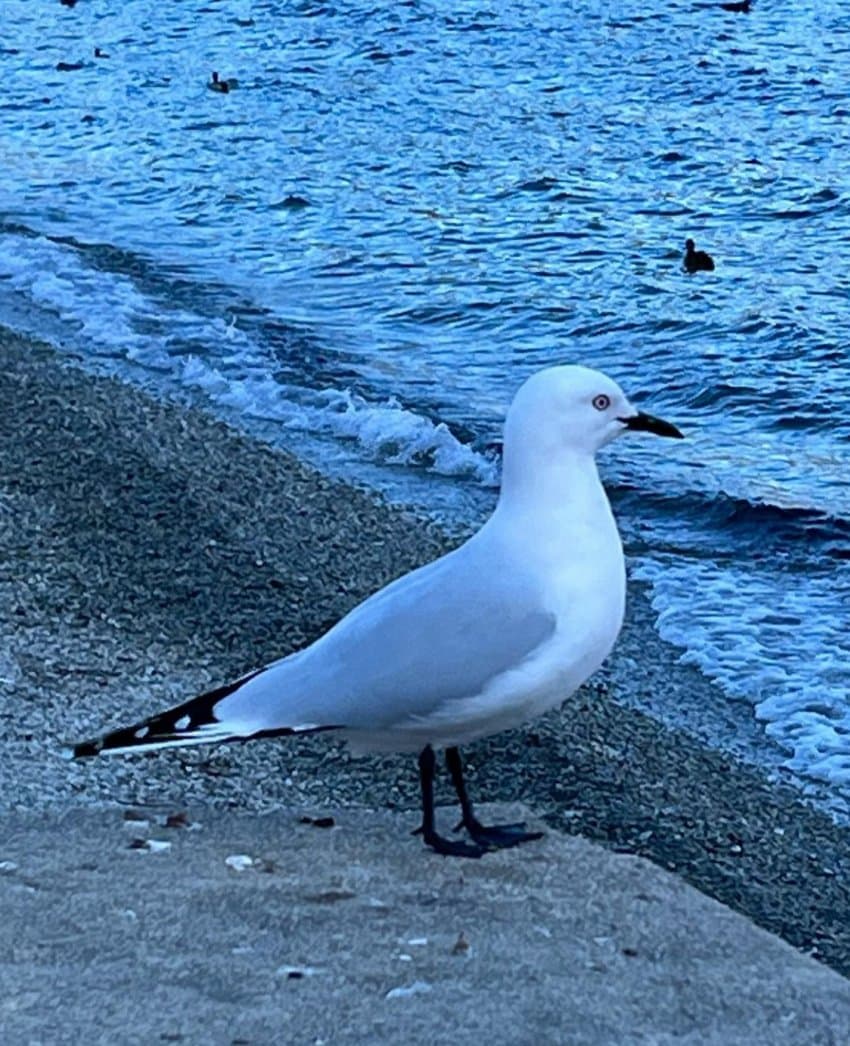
481 640
741 7
222 86
697 261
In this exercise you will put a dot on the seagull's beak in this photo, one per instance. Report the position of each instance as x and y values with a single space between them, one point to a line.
641 422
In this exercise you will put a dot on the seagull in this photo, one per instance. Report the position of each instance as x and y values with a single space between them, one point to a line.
483 639
697 261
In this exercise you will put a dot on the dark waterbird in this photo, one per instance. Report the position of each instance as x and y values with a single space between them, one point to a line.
739 7
697 261
487 637
222 86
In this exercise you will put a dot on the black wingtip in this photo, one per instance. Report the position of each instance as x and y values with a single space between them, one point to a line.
178 725
83 749
192 723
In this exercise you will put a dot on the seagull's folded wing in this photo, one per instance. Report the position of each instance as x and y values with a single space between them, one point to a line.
437 635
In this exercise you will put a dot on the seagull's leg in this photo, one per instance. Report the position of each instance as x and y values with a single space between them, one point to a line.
495 836
448 847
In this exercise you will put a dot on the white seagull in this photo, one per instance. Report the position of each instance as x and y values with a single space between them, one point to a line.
483 639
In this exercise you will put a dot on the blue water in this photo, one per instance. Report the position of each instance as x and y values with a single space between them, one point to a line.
404 209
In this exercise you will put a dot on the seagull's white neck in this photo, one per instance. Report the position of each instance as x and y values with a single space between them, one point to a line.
539 485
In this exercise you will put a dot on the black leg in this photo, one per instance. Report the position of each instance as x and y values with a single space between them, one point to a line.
496 836
447 847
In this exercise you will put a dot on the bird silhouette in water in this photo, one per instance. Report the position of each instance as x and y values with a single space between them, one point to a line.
697 261
740 7
222 86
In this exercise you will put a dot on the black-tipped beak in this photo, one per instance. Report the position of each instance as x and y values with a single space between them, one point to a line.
641 422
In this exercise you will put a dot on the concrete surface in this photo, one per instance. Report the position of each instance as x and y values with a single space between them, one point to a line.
357 934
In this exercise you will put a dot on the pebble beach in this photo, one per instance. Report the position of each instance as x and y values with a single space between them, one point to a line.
149 551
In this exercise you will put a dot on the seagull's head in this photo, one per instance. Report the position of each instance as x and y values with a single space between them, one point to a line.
577 409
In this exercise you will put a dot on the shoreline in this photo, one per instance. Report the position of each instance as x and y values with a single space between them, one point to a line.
151 552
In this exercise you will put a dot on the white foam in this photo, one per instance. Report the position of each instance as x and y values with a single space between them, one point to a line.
117 326
401 437
735 631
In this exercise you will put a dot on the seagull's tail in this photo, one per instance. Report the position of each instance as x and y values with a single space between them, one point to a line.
192 723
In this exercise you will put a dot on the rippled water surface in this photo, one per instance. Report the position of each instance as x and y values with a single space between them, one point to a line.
401 210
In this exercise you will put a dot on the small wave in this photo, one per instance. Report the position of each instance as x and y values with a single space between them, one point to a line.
385 432
780 647
743 524
140 337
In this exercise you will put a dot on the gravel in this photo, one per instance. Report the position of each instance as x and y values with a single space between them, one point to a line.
149 551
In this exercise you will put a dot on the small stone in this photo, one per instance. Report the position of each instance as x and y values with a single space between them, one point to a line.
239 862
461 945
153 846
403 991
296 973
330 896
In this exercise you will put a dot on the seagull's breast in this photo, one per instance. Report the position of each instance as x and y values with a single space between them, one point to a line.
589 610
585 589
582 584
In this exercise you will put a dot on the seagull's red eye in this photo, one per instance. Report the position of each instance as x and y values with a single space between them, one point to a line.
602 402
